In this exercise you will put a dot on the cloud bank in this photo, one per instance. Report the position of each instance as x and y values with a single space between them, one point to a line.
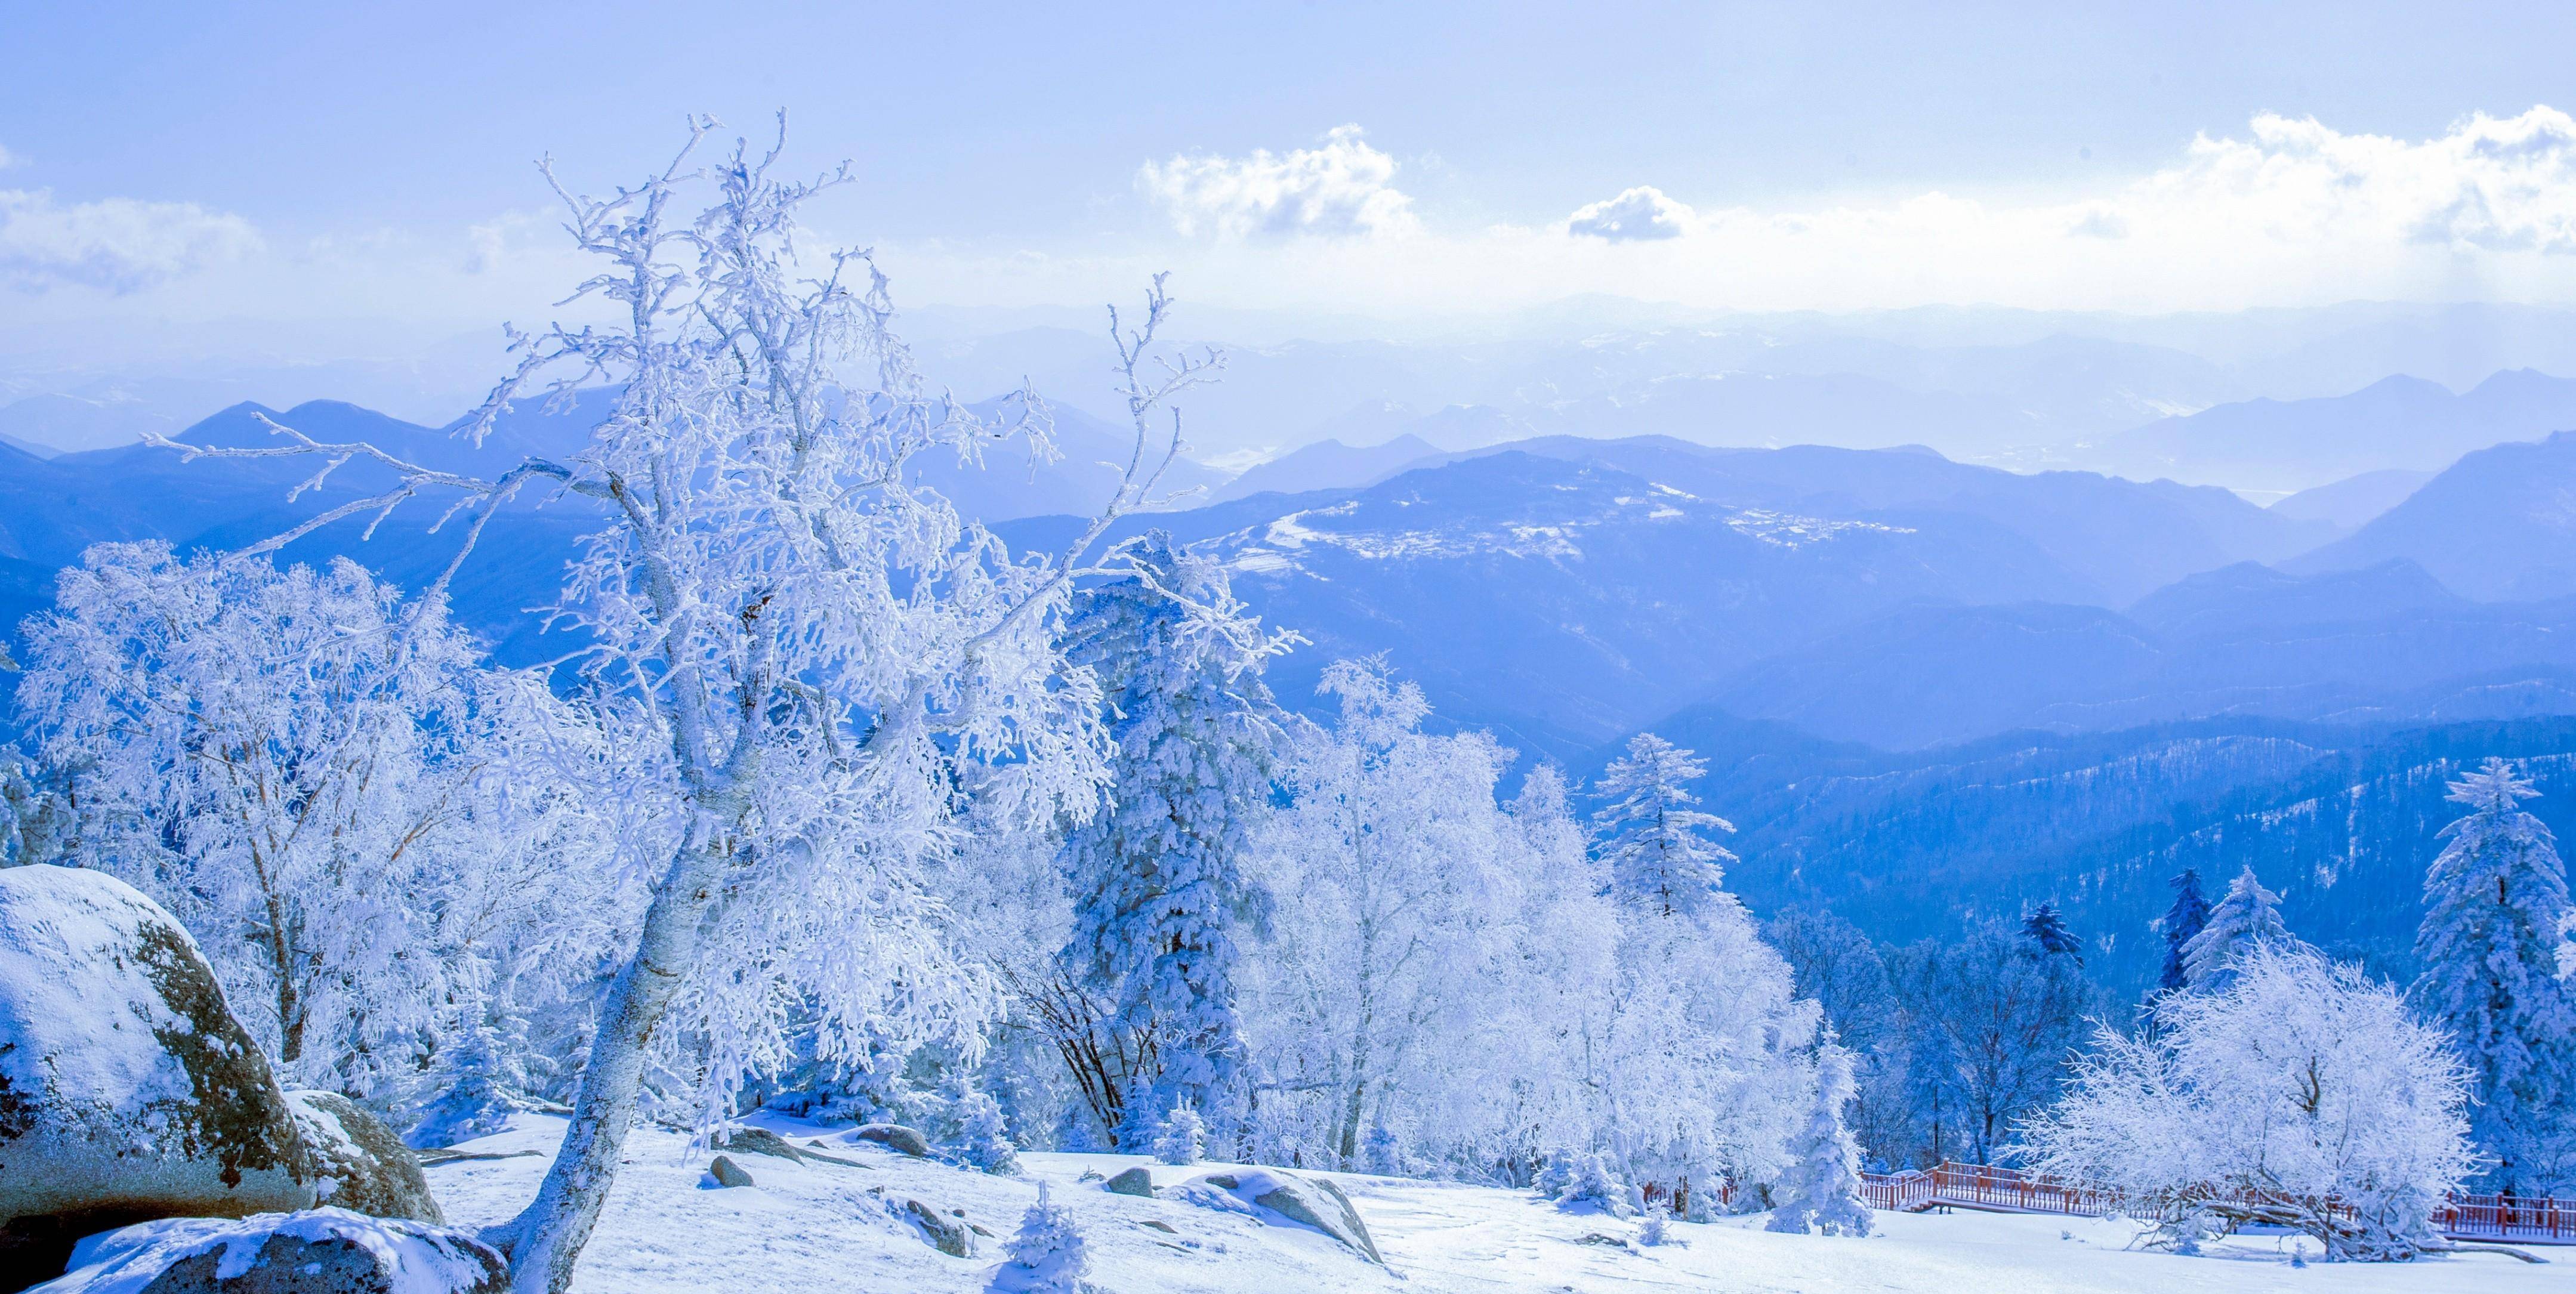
118 245
1641 213
1341 188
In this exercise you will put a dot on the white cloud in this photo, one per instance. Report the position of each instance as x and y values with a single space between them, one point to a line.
1340 188
1639 214
119 245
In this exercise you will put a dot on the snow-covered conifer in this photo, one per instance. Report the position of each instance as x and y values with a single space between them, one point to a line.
1820 1189
1048 1249
2495 909
2184 920
2247 918
1590 1184
2047 931
1656 842
1157 875
1183 1137
2296 1083
983 1135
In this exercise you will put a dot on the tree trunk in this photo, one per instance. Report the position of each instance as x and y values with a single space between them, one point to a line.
547 1238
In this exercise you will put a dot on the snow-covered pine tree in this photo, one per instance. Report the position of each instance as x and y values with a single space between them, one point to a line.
1820 1191
983 1135
1156 876
2185 919
1048 1248
1656 843
2250 916
2495 907
2046 929
1183 1137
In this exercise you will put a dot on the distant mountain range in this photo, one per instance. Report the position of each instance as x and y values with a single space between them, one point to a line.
2396 423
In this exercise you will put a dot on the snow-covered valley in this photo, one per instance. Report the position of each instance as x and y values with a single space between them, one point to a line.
811 1227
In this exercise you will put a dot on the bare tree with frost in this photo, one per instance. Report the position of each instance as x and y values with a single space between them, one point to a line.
815 643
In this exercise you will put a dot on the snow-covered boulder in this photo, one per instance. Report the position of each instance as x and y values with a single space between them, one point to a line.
127 1090
318 1251
895 1137
358 1162
1308 1202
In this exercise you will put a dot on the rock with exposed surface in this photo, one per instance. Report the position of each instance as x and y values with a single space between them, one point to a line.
946 1233
1310 1202
358 1162
728 1174
895 1137
1135 1181
318 1251
127 1090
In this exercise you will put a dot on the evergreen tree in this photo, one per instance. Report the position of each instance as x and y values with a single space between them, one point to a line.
983 1135
1156 877
2048 931
2185 919
1656 843
2494 906
2249 916
1182 1138
1821 1189
1049 1250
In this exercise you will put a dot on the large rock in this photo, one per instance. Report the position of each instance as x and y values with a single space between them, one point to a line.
895 1137
1309 1202
946 1232
127 1090
321 1251
358 1162
1135 1181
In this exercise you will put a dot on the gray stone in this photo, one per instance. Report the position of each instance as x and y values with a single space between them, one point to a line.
895 1137
946 1233
127 1090
758 1141
1135 1181
358 1162
322 1251
728 1173
1311 1202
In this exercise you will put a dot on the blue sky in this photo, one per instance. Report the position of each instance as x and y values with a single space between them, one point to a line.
282 160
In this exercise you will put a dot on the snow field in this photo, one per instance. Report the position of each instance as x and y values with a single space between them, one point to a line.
813 1227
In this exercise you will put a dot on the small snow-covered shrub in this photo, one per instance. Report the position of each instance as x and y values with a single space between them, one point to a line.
1589 1183
1049 1249
2300 1081
1657 1228
1182 1138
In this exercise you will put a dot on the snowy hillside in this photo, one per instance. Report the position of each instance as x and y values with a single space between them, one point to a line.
820 1226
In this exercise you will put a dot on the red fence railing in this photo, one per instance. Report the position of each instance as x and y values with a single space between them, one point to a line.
2539 1219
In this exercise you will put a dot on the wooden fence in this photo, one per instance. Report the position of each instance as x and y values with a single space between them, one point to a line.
2538 1220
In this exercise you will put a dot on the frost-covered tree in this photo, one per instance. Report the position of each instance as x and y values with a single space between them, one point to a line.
2188 916
983 1135
1991 1024
312 775
1157 875
816 644
2247 918
2495 913
2047 931
1820 1189
1397 882
2300 1094
1656 842
1183 1137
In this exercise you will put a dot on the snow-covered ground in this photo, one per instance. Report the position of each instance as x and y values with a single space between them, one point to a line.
813 1227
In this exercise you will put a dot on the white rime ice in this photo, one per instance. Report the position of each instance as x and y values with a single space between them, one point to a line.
2495 909
803 653
1820 1190
2249 917
2298 1081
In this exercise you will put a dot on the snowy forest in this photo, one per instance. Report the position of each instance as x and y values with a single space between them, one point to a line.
832 804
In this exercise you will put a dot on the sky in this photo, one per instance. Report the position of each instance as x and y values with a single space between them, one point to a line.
167 165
